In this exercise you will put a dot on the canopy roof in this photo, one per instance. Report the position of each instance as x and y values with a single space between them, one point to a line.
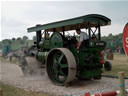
93 20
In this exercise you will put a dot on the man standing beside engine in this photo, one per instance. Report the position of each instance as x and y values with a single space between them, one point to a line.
83 36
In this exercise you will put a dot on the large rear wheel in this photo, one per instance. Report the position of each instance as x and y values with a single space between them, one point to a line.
61 66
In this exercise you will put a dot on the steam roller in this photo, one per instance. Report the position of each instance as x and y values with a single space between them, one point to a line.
55 50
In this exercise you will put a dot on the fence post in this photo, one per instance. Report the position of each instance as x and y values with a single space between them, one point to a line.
1 92
122 84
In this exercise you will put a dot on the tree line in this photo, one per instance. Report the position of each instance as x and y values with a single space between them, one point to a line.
20 40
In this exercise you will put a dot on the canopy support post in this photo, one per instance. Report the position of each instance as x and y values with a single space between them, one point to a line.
63 29
99 31
89 30
38 35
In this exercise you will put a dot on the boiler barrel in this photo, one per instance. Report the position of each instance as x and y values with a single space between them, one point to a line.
42 56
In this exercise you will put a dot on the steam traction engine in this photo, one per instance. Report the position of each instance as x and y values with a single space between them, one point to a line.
58 52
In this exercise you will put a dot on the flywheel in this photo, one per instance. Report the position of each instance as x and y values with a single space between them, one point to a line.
61 66
56 40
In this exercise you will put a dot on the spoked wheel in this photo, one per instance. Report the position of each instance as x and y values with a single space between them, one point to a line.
107 66
61 66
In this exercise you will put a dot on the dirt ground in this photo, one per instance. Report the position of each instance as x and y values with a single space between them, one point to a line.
11 74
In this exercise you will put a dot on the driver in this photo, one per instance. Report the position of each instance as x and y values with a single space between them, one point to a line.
47 35
83 36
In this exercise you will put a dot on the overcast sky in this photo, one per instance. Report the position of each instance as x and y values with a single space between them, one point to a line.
16 16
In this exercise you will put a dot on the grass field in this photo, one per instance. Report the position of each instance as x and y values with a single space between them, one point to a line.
119 63
13 91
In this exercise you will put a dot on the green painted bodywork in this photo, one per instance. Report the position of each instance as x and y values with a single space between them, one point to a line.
86 66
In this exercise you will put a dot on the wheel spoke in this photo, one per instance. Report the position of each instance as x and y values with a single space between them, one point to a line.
54 68
64 66
54 63
54 60
63 74
60 58
57 75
